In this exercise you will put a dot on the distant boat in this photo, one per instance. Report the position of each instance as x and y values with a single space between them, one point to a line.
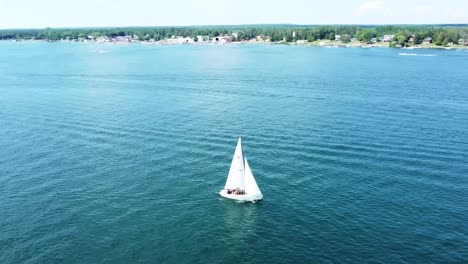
240 183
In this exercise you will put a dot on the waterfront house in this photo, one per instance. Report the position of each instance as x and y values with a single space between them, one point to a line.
388 38
427 40
222 39
187 40
180 40
411 38
337 37
103 39
301 41
122 39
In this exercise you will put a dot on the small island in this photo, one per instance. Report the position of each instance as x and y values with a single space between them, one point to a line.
397 36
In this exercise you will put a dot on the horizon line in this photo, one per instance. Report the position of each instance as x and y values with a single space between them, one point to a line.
239 25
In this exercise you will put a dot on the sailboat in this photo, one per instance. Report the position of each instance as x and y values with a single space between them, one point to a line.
240 183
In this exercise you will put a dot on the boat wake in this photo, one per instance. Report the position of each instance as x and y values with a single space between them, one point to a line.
419 55
100 51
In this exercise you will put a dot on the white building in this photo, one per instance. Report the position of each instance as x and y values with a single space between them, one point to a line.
222 39
103 39
180 40
427 40
388 38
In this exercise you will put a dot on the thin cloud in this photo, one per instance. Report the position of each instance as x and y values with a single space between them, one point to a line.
456 13
424 10
371 5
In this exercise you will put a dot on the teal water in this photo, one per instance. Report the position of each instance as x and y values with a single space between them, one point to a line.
115 154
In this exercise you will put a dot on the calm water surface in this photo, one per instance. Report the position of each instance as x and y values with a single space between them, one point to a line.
115 154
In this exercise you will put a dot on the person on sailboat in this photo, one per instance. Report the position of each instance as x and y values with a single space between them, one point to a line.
238 191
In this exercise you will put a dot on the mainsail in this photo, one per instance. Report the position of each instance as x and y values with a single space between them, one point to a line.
237 171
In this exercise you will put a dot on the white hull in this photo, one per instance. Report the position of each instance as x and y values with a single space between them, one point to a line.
241 197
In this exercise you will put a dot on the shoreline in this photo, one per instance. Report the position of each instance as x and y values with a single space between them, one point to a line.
337 44
318 43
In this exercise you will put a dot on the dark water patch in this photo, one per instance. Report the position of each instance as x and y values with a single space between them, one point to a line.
118 157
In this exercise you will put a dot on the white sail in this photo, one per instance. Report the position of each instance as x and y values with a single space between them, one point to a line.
251 187
237 171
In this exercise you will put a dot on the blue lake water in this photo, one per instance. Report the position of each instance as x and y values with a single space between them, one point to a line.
115 154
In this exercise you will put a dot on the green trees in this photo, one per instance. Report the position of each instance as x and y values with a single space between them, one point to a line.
439 39
452 36
345 38
96 34
444 38
418 38
311 38
365 35
445 42
441 35
401 40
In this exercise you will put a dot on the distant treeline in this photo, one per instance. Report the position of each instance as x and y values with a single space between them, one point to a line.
440 34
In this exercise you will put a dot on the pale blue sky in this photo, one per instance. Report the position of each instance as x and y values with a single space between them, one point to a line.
109 13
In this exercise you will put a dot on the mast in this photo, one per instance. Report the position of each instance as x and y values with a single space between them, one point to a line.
243 157
242 170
